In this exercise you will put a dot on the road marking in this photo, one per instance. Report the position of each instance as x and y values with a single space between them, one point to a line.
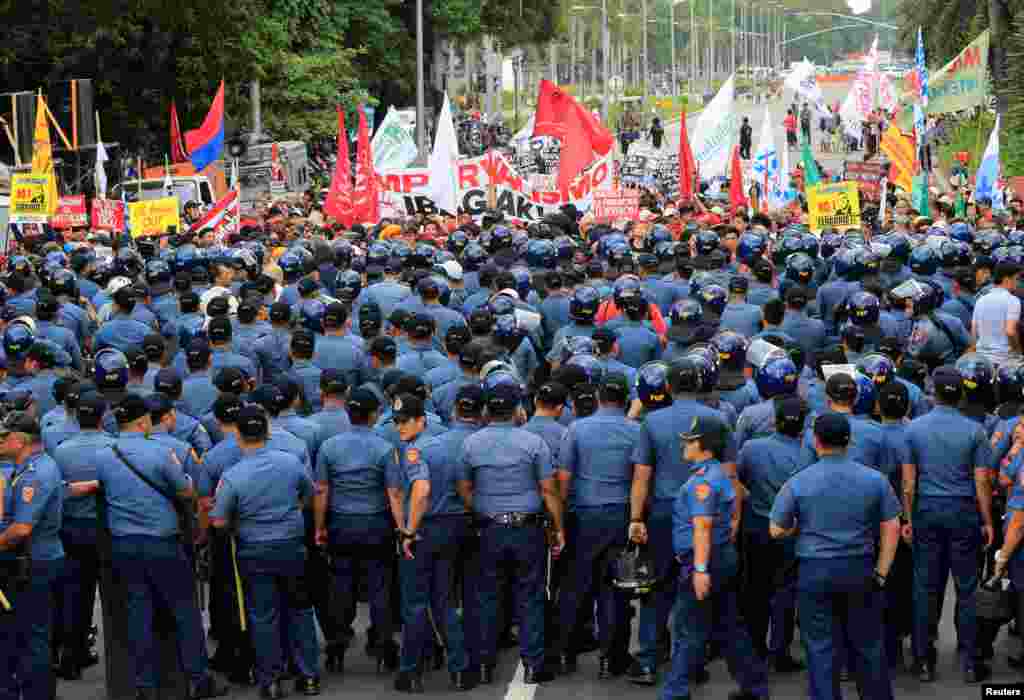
517 690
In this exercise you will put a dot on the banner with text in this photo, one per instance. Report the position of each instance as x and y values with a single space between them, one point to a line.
108 215
868 175
154 216
616 205
30 198
833 206
403 192
960 84
71 212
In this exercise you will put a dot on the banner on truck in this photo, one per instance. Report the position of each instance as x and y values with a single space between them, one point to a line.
153 216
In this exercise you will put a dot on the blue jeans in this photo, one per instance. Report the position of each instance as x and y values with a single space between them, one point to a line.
25 666
836 599
655 610
364 546
521 550
277 599
599 530
717 617
78 584
156 572
428 581
947 540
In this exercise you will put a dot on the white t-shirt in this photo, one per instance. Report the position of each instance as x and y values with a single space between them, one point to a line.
990 316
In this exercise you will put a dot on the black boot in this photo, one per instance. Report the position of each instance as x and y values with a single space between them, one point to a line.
460 681
486 674
274 691
409 682
208 687
335 661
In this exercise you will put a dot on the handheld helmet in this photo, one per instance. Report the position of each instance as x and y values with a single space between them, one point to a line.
633 573
924 261
750 248
708 242
541 254
800 268
978 377
731 347
877 367
686 311
591 366
18 340
706 359
348 285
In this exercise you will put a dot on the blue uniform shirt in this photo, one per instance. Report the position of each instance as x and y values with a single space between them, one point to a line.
272 353
708 493
506 465
57 427
304 429
946 447
660 446
895 452
740 397
198 394
444 397
263 496
598 452
866 441
412 467
419 358
441 453
838 506
765 464
307 375
64 339
638 344
357 466
121 333
33 494
133 507
742 317
332 420
339 353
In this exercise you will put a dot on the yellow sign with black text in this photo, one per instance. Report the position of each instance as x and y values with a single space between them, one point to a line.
30 198
835 205
153 216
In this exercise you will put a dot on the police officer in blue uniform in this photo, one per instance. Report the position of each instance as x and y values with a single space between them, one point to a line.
272 348
263 497
409 490
763 466
707 606
147 553
353 519
951 498
332 418
506 479
76 457
336 350
840 573
304 372
658 474
740 315
31 557
596 458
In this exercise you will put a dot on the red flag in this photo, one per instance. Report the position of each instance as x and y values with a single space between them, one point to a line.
178 152
339 198
736 198
560 116
687 166
365 205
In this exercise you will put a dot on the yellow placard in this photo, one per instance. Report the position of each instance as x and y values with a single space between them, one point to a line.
30 198
153 216
835 205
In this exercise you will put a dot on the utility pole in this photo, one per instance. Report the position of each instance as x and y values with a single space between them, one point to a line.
605 41
732 25
643 67
421 107
711 46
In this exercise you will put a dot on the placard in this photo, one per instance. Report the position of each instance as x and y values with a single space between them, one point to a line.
108 215
867 174
71 212
833 206
153 216
616 205
30 198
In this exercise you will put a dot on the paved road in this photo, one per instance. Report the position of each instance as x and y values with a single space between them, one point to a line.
360 679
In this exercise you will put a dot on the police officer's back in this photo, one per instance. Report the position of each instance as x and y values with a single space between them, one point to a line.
841 570
506 479
263 496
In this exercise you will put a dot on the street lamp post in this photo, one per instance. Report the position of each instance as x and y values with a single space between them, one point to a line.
672 40
605 41
711 45
643 12
421 108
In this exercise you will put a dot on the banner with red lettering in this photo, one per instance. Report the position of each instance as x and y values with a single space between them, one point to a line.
71 212
108 215
616 205
403 192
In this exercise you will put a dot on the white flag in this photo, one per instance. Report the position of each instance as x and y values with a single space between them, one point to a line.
803 82
766 158
443 163
393 146
714 133
100 173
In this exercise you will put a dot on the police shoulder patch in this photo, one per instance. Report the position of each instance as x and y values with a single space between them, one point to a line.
412 456
702 491
28 493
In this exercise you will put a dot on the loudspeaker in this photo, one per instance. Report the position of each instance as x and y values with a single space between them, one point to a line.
25 117
59 96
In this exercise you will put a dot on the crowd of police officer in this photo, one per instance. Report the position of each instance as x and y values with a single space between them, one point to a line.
501 442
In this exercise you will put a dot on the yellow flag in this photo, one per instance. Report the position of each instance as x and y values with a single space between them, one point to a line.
42 153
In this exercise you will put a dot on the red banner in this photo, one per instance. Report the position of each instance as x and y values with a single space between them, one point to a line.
71 212
108 215
616 205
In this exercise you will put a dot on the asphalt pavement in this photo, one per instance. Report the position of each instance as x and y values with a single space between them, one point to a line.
360 680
